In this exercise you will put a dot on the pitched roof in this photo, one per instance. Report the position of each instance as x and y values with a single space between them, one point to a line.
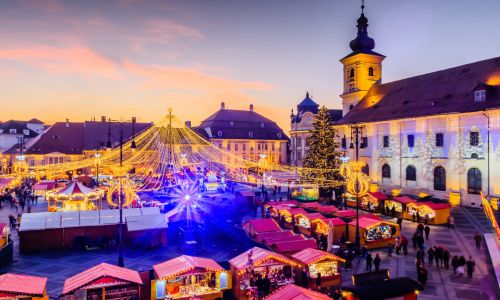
240 124
433 205
259 255
442 92
404 199
97 272
378 195
62 137
293 292
35 121
19 126
310 255
95 133
264 225
22 284
183 264
286 246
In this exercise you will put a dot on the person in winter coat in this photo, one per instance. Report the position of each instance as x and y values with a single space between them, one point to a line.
422 274
404 244
427 230
454 264
369 260
461 265
430 256
446 259
376 262
478 239
471 265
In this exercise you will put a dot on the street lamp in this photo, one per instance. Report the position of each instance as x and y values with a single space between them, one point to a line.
356 137
120 197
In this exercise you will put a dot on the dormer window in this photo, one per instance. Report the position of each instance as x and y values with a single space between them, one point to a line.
26 131
480 95
370 71
261 125
279 135
231 123
13 130
250 134
219 133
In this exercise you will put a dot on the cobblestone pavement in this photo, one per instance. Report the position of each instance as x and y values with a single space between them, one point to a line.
443 284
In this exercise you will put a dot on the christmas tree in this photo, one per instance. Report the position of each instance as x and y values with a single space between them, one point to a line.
323 158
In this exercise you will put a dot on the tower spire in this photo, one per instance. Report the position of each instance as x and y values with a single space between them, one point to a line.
362 43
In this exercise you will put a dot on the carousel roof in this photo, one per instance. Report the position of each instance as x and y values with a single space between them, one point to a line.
294 292
404 199
378 195
100 271
22 284
183 264
258 254
264 225
311 255
75 187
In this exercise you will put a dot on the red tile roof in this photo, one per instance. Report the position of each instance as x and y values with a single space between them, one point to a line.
22 284
183 264
293 292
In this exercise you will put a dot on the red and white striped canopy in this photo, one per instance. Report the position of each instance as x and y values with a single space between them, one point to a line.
73 188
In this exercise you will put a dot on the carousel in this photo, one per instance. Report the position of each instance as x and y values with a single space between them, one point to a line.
74 197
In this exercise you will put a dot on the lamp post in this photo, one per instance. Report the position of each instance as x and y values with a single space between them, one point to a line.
356 137
120 197
488 159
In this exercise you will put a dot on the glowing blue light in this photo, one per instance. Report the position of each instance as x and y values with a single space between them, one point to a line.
187 197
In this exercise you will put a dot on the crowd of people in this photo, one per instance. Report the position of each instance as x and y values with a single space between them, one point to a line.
22 198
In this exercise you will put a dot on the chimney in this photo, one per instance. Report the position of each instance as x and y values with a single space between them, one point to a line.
188 123
67 123
103 118
251 107
222 105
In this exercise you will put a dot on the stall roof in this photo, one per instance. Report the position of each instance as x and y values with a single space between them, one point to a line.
33 222
150 210
146 222
313 216
392 288
310 205
311 255
53 221
335 221
22 284
293 292
404 199
327 209
294 246
183 264
264 225
370 215
294 210
280 239
347 213
367 222
109 216
70 219
433 205
258 254
265 235
378 195
101 270
44 186
89 218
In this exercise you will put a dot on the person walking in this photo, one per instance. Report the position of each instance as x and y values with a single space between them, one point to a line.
318 281
446 259
471 265
389 250
478 238
461 265
393 211
427 230
404 244
398 245
413 217
430 254
304 278
422 274
420 241
438 255
376 262
454 264
418 217
426 219
400 223
369 260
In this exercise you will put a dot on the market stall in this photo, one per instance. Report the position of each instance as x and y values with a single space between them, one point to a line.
104 281
74 197
399 203
287 216
327 210
259 226
318 261
403 288
339 227
274 208
42 187
289 247
15 286
304 221
188 277
438 213
346 214
305 193
374 233
373 201
255 262
293 291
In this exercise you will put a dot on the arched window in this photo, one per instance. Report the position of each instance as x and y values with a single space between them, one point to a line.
474 183
474 156
370 71
351 74
366 170
386 171
411 173
439 179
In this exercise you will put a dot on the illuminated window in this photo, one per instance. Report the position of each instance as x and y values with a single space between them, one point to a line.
250 134
474 183
480 96
279 135
439 179
474 138
411 173
370 71
439 140
386 171
231 123
364 142
261 125
244 147
235 147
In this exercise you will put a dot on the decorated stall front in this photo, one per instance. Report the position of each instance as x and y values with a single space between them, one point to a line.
15 286
249 265
399 203
374 233
319 262
305 193
321 226
304 221
74 197
273 209
287 216
104 281
438 213
189 277
373 201
42 187
293 291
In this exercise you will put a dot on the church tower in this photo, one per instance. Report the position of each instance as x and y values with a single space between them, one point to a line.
362 68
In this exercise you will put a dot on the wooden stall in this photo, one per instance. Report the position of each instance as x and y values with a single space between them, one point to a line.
255 262
104 281
303 222
327 210
374 233
438 213
339 227
274 207
289 247
346 214
287 216
188 277
259 226
15 286
318 261
293 291
373 201
399 203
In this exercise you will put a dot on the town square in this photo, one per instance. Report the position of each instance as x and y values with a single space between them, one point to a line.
329 149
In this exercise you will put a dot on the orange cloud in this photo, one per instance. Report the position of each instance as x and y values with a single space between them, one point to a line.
74 60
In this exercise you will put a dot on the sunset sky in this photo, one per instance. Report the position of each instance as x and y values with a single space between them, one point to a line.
83 59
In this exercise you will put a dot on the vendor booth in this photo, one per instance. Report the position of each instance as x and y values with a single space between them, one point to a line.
327 210
373 201
14 286
374 233
346 214
293 291
321 226
304 221
189 277
259 226
103 281
399 203
42 187
305 193
287 216
74 197
318 261
274 208
255 262
438 213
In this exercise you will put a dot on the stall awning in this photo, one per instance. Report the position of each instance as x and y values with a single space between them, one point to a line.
311 255
378 195
327 209
264 225
44 185
240 262
347 213
100 271
183 264
293 292
368 222
404 200
285 246
22 284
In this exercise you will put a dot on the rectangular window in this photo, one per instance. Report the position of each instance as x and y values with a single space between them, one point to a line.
244 147
411 140
272 147
236 147
480 96
365 142
386 141
265 146
258 146
439 140
13 131
26 132
474 138
344 143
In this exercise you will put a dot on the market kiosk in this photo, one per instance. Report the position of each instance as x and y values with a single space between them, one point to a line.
318 261
258 226
293 291
399 203
255 262
104 281
327 210
304 221
373 201
339 227
15 286
188 277
438 213
374 233
274 208
287 216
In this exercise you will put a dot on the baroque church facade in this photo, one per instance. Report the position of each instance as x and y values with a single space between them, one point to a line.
436 133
